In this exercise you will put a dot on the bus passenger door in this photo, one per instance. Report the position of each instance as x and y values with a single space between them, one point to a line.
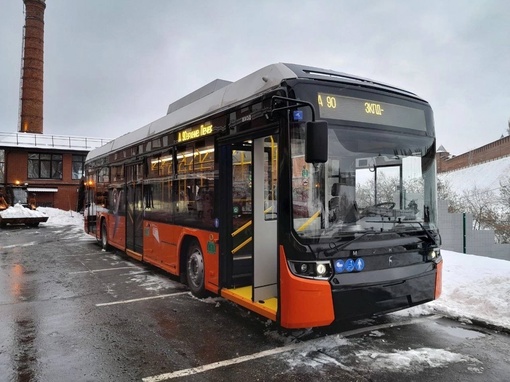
134 210
238 234
249 237
264 218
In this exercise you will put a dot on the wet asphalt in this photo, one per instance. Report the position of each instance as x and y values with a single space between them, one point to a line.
72 312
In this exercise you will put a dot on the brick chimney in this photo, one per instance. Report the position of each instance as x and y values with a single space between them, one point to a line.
31 92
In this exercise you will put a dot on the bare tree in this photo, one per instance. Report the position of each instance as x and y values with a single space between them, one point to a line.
385 187
504 190
502 227
489 212
481 204
445 192
365 195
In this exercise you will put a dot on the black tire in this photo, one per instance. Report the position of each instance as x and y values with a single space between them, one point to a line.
104 236
195 270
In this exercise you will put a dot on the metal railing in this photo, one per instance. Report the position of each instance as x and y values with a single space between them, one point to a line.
50 141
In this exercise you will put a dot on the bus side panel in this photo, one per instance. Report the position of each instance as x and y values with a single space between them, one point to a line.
163 243
117 231
304 303
209 245
160 245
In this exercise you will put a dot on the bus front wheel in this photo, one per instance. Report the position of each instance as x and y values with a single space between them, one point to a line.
195 270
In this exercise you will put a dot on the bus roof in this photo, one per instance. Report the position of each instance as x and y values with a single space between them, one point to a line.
220 94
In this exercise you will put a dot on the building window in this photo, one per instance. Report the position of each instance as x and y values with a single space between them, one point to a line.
78 166
44 166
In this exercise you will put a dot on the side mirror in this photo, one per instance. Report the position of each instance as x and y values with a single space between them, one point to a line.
316 145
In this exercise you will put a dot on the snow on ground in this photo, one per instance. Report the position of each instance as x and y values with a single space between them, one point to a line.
333 352
61 218
474 288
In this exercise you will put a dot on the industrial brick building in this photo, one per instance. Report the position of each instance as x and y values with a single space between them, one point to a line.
38 169
43 170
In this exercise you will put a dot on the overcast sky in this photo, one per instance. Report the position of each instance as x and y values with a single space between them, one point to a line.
114 66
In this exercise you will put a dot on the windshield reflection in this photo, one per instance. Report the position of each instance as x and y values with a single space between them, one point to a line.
375 188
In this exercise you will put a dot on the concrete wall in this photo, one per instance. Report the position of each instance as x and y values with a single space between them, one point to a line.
478 242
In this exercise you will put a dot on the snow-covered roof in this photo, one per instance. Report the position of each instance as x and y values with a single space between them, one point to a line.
42 141
482 176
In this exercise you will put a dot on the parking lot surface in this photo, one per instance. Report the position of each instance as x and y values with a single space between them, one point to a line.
72 312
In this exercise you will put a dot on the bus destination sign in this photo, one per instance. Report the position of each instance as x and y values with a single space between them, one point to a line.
333 106
194 132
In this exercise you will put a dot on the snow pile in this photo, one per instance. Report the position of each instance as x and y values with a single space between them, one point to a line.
474 288
61 217
342 353
415 359
56 217
18 211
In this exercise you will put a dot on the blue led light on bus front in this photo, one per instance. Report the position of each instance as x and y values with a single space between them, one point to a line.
359 264
297 115
339 266
349 265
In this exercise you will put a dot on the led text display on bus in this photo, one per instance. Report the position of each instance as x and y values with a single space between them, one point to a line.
194 132
369 111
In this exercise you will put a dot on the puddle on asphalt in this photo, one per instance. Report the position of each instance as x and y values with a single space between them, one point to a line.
461 332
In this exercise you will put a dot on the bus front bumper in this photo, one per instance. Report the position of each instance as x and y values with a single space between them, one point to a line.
368 299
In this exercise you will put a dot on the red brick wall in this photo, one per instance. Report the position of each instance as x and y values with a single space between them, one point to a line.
31 117
67 196
16 166
494 150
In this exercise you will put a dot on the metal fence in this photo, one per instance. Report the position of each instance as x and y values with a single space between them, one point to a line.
458 235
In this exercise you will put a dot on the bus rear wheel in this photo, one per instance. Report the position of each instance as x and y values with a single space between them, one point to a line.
104 236
195 270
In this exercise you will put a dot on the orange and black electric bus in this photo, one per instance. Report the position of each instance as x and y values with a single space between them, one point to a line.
305 195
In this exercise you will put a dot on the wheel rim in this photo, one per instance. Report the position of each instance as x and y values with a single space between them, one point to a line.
196 268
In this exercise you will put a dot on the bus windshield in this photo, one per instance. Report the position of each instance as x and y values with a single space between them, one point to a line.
373 181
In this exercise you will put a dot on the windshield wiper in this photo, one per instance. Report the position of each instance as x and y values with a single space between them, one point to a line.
426 231
335 248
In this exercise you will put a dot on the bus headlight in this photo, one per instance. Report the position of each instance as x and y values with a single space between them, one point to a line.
321 269
433 254
311 269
